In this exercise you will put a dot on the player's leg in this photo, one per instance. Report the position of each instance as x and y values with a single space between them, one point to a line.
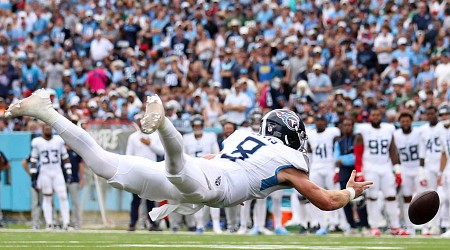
134 212
432 227
408 184
373 209
36 200
215 217
389 190
59 185
38 105
245 217
277 198
75 215
232 214
316 213
295 207
44 184
199 220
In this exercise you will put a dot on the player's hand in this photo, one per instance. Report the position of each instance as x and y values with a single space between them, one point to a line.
398 179
208 156
336 177
358 176
440 181
146 141
359 187
423 179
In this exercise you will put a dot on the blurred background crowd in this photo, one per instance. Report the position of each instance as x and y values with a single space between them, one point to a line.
225 58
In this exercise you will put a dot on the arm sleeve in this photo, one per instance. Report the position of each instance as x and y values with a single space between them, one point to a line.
34 152
337 152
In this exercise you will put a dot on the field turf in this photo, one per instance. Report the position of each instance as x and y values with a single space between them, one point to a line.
120 239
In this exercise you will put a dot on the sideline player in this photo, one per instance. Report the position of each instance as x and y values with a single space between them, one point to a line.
47 152
320 146
197 144
407 140
375 150
430 152
444 172
250 165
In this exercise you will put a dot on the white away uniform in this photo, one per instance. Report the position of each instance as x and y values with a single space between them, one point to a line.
322 170
430 149
246 169
408 150
206 144
377 167
48 154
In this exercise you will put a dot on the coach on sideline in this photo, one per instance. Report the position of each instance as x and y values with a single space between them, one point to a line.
345 161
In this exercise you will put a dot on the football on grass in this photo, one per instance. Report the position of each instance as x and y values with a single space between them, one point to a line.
424 206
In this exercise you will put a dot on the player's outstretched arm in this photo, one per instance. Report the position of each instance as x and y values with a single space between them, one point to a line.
324 199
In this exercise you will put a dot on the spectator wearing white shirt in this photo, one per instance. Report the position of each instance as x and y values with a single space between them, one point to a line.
236 103
100 46
383 47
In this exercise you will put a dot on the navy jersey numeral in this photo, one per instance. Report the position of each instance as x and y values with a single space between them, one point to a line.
378 147
410 153
244 149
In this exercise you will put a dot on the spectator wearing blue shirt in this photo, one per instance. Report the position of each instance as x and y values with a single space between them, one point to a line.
425 73
345 162
265 71
319 83
31 75
403 54
40 27
265 14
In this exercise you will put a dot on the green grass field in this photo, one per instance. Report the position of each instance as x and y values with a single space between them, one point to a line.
119 239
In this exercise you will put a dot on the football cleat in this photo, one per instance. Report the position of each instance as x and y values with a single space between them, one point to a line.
35 105
154 115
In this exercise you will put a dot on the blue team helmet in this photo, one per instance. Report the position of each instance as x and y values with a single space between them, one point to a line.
285 125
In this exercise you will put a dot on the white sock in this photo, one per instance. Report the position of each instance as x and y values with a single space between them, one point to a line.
259 213
304 214
373 213
245 213
392 213
64 208
295 207
277 216
47 208
408 222
215 216
199 218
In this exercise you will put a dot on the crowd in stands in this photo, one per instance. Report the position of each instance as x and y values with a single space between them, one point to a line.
224 58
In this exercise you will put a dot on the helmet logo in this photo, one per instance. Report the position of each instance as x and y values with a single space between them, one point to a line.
290 119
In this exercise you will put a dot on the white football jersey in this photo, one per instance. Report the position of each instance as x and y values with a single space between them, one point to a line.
430 147
376 144
252 162
207 144
445 140
322 145
48 153
408 147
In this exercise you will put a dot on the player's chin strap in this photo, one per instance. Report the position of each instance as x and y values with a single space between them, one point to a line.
158 213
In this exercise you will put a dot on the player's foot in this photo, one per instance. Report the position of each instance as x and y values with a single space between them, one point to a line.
36 227
36 105
154 115
154 228
322 231
399 231
375 232
290 223
49 227
131 228
199 230
265 231
446 234
303 230
281 231
254 231
351 232
365 231
313 229
218 230
242 230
